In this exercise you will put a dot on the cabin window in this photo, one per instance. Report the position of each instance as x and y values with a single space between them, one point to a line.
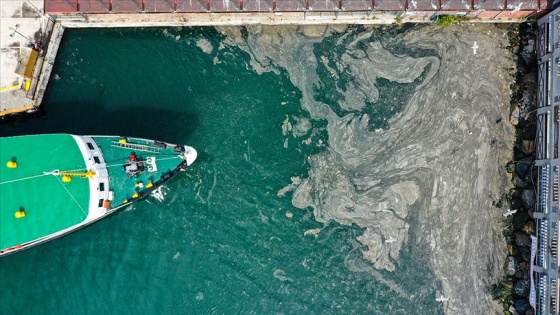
96 159
101 186
100 202
90 146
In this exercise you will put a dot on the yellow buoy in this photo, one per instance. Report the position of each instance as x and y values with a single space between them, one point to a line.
135 195
122 141
66 178
150 185
125 201
19 214
11 164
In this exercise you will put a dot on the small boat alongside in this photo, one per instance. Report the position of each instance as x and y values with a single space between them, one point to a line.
52 185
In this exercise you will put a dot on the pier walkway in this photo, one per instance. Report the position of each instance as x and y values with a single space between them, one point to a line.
546 276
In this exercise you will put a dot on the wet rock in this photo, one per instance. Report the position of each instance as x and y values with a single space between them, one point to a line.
518 182
529 227
528 52
510 167
511 310
515 116
521 288
512 250
528 198
523 166
529 79
525 252
529 132
516 203
527 146
528 101
529 178
519 219
522 239
521 65
522 274
511 265
521 306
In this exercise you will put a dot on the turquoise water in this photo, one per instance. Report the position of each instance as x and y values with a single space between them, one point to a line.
222 241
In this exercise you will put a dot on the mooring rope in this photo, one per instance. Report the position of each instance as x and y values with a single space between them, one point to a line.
71 196
20 179
76 170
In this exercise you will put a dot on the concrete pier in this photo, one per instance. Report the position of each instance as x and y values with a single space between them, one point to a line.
22 26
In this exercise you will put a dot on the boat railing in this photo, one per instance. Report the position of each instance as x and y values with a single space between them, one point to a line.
136 146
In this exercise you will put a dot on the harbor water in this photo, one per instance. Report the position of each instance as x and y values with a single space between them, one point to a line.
226 237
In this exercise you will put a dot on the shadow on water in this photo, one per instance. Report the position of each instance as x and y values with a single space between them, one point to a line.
92 119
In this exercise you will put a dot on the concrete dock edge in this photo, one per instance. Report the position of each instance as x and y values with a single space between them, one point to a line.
48 64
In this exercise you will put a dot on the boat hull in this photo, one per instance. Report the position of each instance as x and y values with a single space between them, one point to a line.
159 161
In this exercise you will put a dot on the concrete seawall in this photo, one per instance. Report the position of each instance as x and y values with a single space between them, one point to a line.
48 64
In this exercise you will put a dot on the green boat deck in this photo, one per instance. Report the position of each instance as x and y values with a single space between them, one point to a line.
50 205
123 185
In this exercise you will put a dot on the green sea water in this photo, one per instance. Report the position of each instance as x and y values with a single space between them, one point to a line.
221 241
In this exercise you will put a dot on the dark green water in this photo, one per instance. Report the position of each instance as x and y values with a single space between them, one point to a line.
222 241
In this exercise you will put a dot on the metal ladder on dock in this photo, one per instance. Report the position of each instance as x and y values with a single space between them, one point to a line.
136 147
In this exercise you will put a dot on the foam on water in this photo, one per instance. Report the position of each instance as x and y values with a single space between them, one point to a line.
438 162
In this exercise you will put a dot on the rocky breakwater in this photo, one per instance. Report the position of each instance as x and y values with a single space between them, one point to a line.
524 176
